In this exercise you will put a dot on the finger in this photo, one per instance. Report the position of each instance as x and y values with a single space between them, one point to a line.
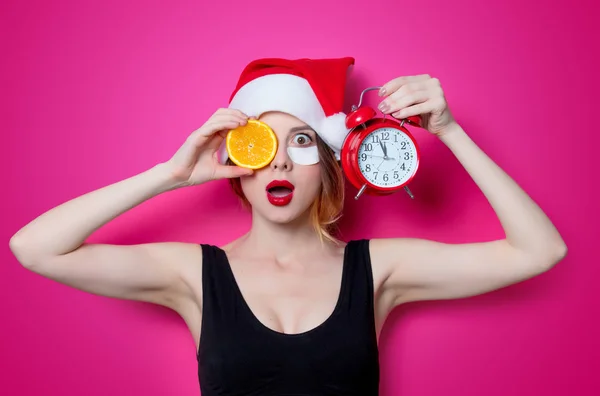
228 116
393 85
401 99
214 134
224 119
214 142
227 110
231 171
217 138
223 132
214 126
417 109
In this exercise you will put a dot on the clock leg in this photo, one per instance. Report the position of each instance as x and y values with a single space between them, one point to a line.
409 192
362 190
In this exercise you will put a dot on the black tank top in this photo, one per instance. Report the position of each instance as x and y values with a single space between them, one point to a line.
240 356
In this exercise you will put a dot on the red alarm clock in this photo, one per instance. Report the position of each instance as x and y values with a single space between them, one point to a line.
379 155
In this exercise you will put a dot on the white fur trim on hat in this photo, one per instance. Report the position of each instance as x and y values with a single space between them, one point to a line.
290 94
333 131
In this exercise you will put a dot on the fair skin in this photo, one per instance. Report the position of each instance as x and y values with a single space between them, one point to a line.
281 256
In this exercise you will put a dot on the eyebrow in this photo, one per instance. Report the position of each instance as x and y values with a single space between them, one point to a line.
302 128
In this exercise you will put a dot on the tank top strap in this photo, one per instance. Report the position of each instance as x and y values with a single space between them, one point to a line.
218 292
358 293
214 276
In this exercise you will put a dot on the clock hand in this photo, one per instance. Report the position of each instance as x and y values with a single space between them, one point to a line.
384 150
379 156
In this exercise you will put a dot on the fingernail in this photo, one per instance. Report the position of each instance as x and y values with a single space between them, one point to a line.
383 106
382 91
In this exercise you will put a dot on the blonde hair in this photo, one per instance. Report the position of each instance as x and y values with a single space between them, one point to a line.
326 209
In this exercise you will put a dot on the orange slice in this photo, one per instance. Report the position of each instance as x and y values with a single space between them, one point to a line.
252 146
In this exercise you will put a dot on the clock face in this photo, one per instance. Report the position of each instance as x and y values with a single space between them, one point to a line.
387 157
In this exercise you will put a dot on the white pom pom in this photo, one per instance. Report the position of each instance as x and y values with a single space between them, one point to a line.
333 131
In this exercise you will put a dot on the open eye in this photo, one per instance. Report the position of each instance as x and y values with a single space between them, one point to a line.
302 139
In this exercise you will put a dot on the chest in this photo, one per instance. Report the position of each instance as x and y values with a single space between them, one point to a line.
290 330
288 299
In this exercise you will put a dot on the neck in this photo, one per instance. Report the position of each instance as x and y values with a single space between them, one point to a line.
283 240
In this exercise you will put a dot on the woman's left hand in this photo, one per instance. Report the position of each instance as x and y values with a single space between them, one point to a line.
418 95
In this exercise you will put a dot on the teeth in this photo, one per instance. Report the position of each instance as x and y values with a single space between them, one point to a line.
280 191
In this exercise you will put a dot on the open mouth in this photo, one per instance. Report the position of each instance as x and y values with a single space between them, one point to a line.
280 192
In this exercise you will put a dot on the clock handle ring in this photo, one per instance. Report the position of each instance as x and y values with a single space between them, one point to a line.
354 107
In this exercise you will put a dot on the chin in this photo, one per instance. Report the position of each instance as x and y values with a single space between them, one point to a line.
280 217
282 213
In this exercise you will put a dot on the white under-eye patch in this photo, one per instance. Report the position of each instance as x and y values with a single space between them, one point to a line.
304 155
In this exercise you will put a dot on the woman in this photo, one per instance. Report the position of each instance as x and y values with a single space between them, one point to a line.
287 308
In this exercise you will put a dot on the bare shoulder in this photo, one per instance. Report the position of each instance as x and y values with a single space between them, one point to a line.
186 259
386 253
383 261
184 262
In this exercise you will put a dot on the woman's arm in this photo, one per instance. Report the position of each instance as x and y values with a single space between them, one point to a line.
63 229
53 243
427 270
423 270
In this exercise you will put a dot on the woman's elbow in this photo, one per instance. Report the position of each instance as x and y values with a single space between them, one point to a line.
554 254
23 251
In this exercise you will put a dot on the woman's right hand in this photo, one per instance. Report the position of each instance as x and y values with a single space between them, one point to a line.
196 160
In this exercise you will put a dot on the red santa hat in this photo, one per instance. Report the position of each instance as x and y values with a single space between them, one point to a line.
312 90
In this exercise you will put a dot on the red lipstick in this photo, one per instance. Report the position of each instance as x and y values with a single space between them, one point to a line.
280 192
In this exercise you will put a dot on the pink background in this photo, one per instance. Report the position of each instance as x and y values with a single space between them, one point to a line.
97 91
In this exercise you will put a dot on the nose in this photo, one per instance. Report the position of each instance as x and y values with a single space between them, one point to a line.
282 161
